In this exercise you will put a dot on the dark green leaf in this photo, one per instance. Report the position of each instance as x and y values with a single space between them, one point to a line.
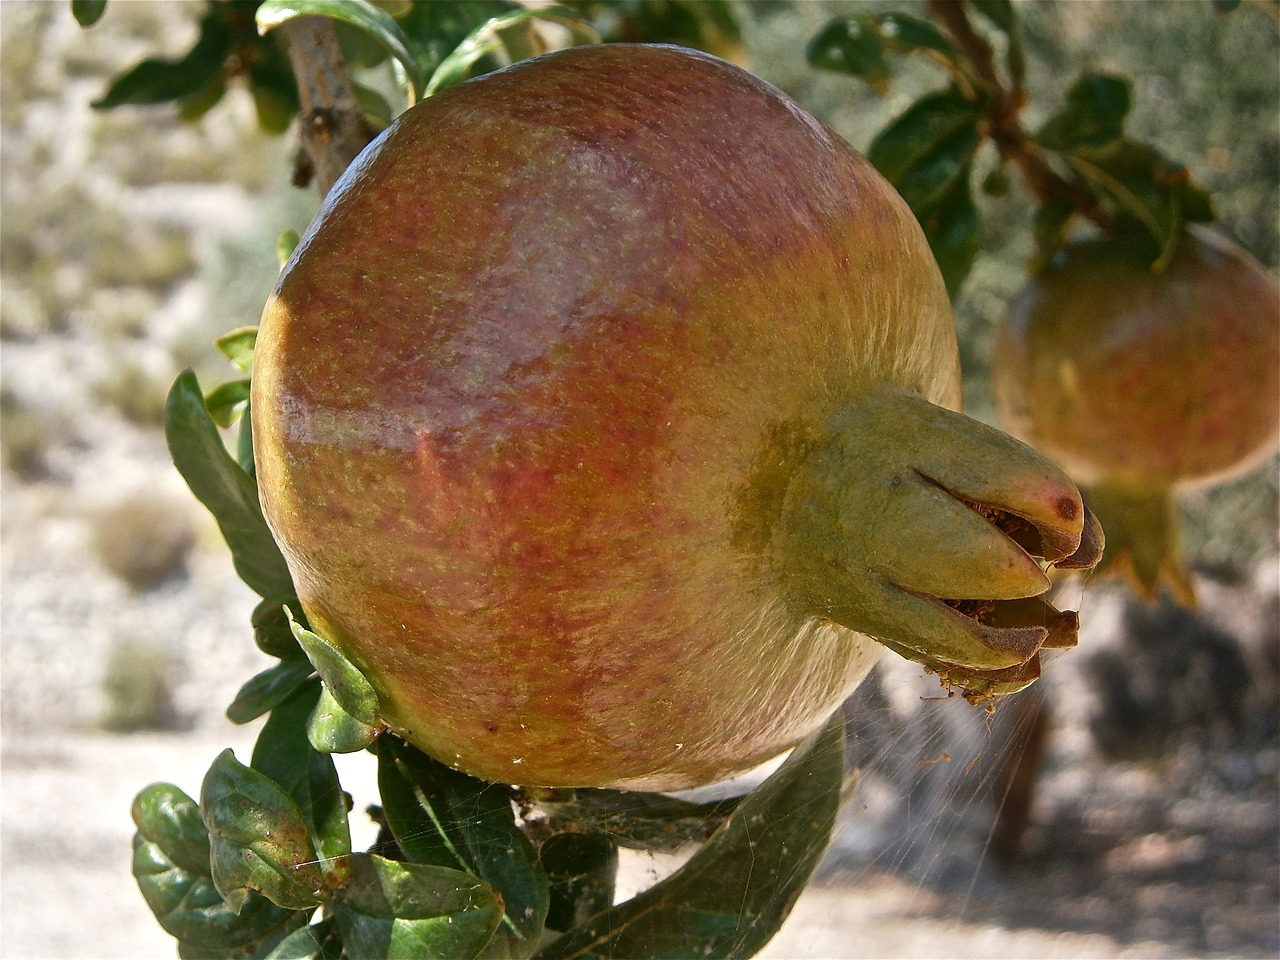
271 628
244 441
953 227
358 13
1093 115
851 45
188 907
167 817
330 729
319 941
161 81
268 689
999 12
88 12
939 172
644 821
582 869
194 106
936 122
409 911
259 838
227 402
222 485
442 816
343 679
435 29
1225 6
904 32
237 345
733 895
283 753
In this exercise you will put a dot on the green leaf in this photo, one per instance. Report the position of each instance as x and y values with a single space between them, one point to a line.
167 817
442 816
222 485
319 941
259 838
237 345
851 45
286 243
244 441
582 869
904 32
309 777
268 689
188 906
1093 115
644 821
953 227
330 729
227 402
358 13
731 897
409 911
998 12
940 171
342 678
272 631
487 40
936 123
161 81
88 12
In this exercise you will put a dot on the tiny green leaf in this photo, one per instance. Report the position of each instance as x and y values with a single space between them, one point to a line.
237 346
733 895
342 678
851 45
905 32
330 729
1093 115
998 12
407 911
167 817
224 487
487 39
88 12
358 13
272 631
268 689
259 838
286 243
161 81
226 403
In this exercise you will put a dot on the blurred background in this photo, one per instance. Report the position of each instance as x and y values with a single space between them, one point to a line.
130 240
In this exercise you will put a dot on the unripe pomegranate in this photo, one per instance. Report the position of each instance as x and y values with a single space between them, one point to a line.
1142 382
601 417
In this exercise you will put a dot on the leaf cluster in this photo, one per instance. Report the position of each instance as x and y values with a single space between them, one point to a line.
1080 163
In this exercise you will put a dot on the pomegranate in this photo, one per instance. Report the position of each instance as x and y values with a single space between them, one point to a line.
1141 383
603 419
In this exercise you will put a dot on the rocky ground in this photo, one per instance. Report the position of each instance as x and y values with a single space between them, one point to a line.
130 241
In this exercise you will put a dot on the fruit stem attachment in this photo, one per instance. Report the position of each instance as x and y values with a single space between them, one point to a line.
1144 529
332 123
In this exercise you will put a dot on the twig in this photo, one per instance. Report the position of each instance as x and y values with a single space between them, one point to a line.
333 127
1003 124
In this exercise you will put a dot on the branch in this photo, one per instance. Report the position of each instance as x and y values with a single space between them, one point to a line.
333 127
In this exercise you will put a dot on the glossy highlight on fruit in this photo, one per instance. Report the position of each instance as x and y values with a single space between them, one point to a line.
1141 383
602 417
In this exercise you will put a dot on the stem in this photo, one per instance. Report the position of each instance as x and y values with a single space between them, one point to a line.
333 127
1003 125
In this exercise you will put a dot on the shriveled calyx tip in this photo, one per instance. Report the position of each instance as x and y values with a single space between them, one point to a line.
933 532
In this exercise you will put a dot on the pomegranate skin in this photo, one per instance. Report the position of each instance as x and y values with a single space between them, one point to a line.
1140 383
567 408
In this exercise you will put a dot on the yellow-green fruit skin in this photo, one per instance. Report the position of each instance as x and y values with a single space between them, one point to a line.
540 365
1140 381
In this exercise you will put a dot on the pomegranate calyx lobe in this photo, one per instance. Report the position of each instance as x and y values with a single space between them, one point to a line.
926 526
